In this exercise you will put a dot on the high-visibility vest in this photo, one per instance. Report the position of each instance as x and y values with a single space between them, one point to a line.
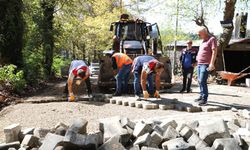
122 59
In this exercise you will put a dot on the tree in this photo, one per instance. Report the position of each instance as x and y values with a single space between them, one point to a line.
11 32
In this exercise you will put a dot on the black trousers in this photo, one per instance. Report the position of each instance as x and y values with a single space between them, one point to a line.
187 78
88 84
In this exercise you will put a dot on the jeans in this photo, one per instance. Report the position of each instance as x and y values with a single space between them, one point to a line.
187 75
122 79
137 83
202 79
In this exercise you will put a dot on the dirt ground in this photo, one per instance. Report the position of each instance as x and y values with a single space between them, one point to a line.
47 115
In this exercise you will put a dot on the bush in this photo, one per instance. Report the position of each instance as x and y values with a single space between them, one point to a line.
58 63
10 75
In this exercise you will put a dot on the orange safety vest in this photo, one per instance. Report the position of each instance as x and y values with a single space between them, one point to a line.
122 59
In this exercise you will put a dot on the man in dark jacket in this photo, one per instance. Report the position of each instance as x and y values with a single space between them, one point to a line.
188 62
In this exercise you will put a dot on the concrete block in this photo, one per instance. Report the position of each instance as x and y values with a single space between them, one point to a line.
127 122
141 129
245 114
166 123
177 144
186 132
150 106
240 122
112 143
243 132
41 132
135 147
131 103
232 126
50 141
25 132
113 101
125 103
11 133
119 102
138 105
112 127
212 108
73 139
226 144
238 138
149 148
6 146
170 133
79 126
167 107
196 140
30 141
214 130
156 138
193 109
158 129
143 140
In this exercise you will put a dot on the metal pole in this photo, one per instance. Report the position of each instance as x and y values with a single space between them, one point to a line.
176 33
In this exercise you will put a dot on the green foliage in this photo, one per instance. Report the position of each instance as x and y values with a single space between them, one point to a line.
58 63
9 74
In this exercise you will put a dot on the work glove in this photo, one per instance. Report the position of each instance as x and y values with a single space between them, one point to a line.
145 94
71 97
157 95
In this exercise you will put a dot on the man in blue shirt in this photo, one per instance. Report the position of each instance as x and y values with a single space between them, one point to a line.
188 62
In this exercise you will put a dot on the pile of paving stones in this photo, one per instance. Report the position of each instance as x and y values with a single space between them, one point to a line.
118 133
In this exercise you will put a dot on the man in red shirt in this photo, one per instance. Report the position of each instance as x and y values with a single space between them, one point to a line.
78 68
206 62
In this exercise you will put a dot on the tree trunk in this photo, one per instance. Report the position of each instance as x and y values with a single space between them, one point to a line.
227 33
48 7
11 32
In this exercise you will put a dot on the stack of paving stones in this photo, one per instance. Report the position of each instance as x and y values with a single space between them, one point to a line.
118 133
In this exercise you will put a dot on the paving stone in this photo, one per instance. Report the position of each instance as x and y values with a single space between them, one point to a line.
180 107
92 141
25 132
98 97
131 103
156 138
150 106
186 132
73 139
30 141
226 144
214 130
167 106
166 123
79 126
126 122
141 129
245 114
138 105
59 148
212 108
41 132
238 139
112 144
201 145
107 100
196 140
243 132
60 131
248 125
143 140
51 141
6 146
193 109
111 127
232 126
11 133
113 101
158 129
119 102
170 133
240 122
177 144
125 103
194 125
149 148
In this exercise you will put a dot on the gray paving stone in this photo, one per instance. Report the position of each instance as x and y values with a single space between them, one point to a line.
177 144
131 103
166 123
150 106
186 132
5 146
11 133
112 144
41 132
196 140
127 122
167 106
193 109
30 141
138 104
141 129
79 126
170 133
143 140
156 138
158 129
226 144
113 101
149 148
50 141
214 130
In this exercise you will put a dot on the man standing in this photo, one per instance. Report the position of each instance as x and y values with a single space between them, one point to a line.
188 61
78 68
143 69
206 62
121 64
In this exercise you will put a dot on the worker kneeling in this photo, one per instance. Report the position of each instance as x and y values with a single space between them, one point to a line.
121 64
143 69
78 68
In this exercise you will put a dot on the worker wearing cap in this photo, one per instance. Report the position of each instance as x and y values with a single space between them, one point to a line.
188 62
78 68
143 69
121 64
